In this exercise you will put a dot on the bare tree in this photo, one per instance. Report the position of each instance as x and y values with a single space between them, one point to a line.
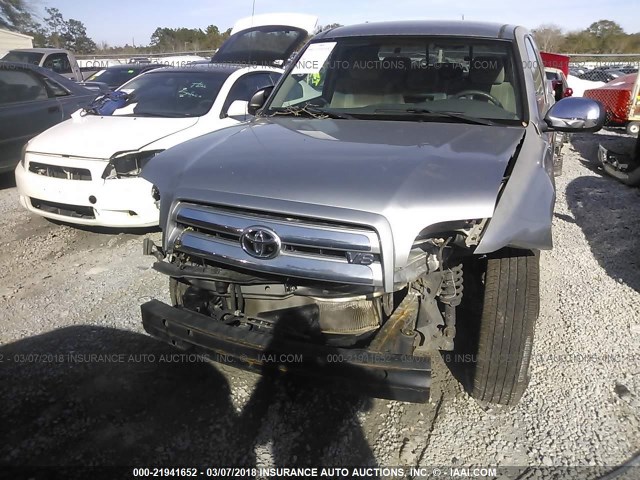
549 37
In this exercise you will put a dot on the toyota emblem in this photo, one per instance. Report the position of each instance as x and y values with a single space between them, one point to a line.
260 242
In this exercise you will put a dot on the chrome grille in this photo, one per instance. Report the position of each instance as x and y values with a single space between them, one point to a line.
308 249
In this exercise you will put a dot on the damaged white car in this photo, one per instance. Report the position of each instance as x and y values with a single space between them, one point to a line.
87 170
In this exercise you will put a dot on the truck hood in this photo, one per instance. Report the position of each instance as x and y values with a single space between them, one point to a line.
363 165
98 137
398 177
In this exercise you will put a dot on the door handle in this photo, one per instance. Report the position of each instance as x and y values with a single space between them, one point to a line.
53 109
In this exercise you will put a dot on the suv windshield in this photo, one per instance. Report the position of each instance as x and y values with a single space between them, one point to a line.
447 79
172 94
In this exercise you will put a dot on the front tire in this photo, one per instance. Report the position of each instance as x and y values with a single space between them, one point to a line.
509 314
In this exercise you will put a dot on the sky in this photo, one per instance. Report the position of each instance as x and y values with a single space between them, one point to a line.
125 21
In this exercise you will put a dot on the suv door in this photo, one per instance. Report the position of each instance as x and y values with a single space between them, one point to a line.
26 109
552 159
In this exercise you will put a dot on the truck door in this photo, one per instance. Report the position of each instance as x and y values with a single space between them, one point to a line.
62 65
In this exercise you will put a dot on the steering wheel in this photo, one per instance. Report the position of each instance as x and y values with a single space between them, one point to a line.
479 93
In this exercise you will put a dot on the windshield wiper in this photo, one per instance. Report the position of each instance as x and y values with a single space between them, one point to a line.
435 114
328 112
159 114
311 111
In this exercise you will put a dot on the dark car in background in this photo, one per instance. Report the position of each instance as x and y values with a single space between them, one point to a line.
117 75
32 99
601 75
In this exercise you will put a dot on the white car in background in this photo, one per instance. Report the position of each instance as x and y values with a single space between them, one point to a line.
86 170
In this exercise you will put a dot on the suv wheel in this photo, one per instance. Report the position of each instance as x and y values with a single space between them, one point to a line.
507 324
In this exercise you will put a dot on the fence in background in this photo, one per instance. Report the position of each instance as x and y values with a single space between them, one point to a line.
621 94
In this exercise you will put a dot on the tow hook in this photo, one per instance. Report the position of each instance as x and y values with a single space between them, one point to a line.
150 248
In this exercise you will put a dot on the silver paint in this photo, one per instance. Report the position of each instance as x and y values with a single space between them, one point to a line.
394 177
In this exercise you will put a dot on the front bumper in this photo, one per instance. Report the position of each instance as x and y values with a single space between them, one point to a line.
397 377
119 203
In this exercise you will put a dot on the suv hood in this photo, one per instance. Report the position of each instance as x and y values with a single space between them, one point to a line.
94 136
414 174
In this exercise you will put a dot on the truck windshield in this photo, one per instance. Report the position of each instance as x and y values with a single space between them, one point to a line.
24 57
407 77
172 94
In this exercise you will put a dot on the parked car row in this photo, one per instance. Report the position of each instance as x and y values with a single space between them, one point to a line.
86 170
341 206
114 76
603 73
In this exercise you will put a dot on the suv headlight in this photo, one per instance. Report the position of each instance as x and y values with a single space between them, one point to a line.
128 164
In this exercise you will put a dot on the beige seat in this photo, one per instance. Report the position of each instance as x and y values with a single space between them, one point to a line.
488 75
365 83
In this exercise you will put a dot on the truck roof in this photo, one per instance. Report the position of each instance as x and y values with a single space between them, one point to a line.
41 50
424 27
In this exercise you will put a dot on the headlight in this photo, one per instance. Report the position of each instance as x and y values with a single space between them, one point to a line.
23 155
129 164
155 194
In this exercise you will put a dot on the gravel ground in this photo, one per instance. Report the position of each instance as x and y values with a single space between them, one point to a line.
68 293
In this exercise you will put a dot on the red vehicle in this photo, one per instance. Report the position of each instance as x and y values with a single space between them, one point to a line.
621 98
555 60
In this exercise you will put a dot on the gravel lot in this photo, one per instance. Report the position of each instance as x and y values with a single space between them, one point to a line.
68 293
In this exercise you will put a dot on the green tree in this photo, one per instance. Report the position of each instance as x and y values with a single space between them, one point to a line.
579 42
70 34
187 39
604 29
608 36
56 27
76 38
14 15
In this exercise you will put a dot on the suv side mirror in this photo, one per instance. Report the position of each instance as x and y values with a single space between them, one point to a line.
575 114
259 99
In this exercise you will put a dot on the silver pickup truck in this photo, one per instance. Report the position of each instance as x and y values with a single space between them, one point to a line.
61 61
391 196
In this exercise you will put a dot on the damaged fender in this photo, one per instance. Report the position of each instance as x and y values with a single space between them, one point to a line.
524 212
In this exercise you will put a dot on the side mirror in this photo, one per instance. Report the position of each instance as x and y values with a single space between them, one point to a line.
259 99
575 114
239 108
